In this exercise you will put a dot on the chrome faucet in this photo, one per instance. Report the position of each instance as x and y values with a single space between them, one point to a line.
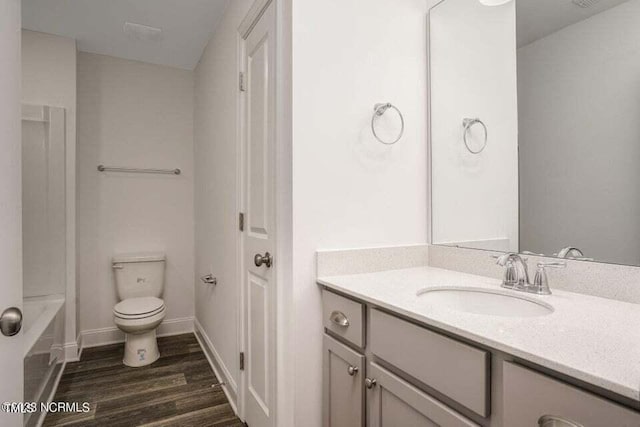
516 275
570 251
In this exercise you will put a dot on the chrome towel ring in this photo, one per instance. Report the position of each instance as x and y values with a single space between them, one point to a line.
467 124
379 110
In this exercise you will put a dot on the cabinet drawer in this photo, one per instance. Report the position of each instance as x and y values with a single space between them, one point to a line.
343 317
394 402
529 396
456 370
343 395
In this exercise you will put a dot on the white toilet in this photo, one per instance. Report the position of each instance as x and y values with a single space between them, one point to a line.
140 282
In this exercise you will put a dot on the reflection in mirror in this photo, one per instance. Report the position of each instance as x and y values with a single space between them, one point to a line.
557 85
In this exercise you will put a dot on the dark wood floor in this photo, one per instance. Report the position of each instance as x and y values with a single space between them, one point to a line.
174 391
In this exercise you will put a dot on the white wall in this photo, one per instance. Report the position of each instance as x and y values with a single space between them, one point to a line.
579 133
216 208
136 115
473 74
49 78
348 189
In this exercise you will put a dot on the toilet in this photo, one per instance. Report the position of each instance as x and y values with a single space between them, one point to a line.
139 282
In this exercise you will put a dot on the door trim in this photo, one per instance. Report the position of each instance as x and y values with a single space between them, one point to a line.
252 17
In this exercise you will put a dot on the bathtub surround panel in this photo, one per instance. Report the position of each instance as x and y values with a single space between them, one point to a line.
133 114
43 201
49 79
216 191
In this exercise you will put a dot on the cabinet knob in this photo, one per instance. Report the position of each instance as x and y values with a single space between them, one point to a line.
352 370
370 383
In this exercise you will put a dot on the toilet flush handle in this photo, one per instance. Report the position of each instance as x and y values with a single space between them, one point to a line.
117 266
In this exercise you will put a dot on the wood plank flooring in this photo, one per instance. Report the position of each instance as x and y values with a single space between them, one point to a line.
174 391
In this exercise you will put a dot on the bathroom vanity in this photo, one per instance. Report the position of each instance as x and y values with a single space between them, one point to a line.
426 346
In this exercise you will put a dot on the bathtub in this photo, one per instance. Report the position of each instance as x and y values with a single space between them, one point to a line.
37 315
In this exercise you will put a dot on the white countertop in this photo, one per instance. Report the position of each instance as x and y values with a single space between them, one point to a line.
593 339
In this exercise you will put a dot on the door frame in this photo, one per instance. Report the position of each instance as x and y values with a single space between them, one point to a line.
282 407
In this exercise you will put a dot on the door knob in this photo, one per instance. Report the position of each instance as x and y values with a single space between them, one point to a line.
265 259
352 370
11 321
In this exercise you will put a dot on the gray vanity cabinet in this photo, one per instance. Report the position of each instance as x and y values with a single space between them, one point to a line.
343 385
393 402
529 397
381 370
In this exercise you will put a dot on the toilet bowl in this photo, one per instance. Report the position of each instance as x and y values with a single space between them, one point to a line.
139 282
138 318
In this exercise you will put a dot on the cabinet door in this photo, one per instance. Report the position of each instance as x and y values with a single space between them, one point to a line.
343 404
530 396
394 402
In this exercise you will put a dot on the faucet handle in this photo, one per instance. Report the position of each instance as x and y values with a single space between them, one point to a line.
510 279
540 284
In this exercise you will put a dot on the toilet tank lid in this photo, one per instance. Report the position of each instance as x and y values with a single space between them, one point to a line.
138 257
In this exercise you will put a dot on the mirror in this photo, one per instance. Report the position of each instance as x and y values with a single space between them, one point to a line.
535 127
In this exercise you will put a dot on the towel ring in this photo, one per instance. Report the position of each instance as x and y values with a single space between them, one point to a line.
467 124
379 110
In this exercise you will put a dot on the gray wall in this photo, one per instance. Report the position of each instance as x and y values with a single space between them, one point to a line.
579 104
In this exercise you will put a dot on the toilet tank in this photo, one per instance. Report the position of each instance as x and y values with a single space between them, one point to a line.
139 275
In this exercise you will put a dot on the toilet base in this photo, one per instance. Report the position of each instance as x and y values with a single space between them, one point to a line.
141 349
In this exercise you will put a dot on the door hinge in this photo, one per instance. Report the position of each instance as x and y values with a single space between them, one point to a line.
241 83
242 361
241 221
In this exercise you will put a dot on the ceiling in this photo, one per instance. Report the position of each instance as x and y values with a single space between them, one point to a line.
97 26
539 18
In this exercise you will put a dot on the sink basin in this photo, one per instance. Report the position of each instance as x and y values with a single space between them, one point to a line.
484 301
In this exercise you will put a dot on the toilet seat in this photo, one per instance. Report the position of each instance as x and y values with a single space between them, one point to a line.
138 308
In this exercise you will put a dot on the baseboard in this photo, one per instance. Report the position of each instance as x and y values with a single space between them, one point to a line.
112 335
70 350
229 387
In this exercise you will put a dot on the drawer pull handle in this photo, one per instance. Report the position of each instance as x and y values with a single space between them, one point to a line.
352 370
554 421
370 383
339 318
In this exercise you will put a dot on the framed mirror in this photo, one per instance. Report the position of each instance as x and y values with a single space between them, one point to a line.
535 127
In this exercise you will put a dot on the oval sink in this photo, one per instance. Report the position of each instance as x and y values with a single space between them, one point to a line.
484 301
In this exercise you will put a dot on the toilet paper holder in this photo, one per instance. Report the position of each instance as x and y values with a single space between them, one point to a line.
209 279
